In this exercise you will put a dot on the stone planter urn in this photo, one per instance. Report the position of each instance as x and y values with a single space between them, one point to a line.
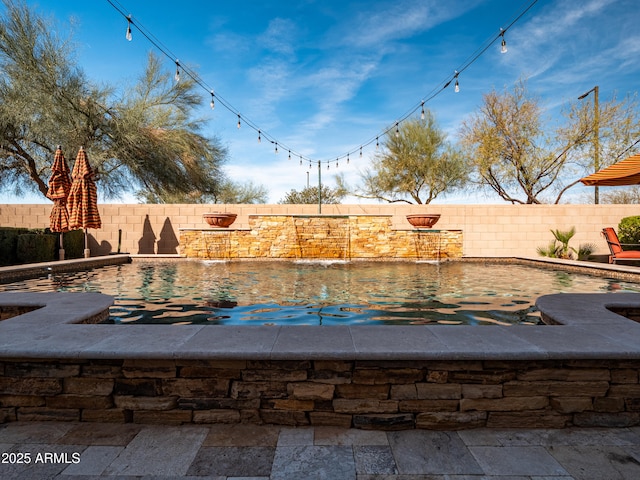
423 220
220 220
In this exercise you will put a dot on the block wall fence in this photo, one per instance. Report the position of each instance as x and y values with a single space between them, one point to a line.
488 230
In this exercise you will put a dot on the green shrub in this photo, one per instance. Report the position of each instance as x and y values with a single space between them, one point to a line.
9 244
36 247
629 230
73 244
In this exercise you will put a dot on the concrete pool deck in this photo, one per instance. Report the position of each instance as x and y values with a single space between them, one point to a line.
583 370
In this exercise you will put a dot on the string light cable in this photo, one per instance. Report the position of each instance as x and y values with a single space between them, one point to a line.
394 126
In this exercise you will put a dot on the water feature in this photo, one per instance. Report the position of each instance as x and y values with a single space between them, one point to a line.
323 293
327 238
427 244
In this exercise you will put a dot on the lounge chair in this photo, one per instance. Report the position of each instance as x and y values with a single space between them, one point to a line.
615 247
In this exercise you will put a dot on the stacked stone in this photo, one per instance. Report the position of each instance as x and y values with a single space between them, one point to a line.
321 237
365 394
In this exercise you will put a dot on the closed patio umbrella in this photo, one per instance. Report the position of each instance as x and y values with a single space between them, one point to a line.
625 172
83 198
59 188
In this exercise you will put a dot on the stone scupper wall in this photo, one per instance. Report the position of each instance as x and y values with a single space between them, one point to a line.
364 394
325 237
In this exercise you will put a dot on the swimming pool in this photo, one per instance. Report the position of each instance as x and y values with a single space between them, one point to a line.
323 293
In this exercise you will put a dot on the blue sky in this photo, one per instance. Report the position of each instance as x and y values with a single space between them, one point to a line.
324 76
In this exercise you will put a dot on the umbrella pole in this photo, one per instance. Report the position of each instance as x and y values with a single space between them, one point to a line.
61 251
87 252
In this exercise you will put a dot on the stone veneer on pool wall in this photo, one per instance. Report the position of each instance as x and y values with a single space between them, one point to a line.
321 236
384 395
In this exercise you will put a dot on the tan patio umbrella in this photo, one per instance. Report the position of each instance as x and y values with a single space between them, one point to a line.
59 187
83 199
625 172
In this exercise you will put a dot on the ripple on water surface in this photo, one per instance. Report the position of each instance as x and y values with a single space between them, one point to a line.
323 293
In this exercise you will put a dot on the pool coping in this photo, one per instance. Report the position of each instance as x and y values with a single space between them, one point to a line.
584 329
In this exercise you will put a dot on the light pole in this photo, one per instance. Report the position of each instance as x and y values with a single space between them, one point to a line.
596 135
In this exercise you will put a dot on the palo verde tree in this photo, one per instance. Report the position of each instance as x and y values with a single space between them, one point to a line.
415 166
516 154
143 138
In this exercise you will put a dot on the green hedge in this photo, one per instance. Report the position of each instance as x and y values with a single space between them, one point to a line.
36 247
23 245
629 230
9 245
73 244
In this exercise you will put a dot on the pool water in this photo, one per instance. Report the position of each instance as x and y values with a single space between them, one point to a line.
323 293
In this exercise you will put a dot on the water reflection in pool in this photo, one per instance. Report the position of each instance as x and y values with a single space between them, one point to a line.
317 293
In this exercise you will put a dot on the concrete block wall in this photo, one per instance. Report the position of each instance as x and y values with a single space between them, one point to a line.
385 395
502 230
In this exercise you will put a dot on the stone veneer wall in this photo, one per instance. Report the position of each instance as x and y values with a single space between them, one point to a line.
364 394
311 236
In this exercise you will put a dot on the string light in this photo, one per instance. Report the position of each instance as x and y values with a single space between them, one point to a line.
259 137
377 144
213 102
128 36
397 130
289 154
155 42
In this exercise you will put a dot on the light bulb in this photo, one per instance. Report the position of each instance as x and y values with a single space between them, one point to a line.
377 144
360 152
128 36
289 154
213 102
276 148
397 130
503 44
457 87
259 137
422 112
238 120
176 77
347 159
